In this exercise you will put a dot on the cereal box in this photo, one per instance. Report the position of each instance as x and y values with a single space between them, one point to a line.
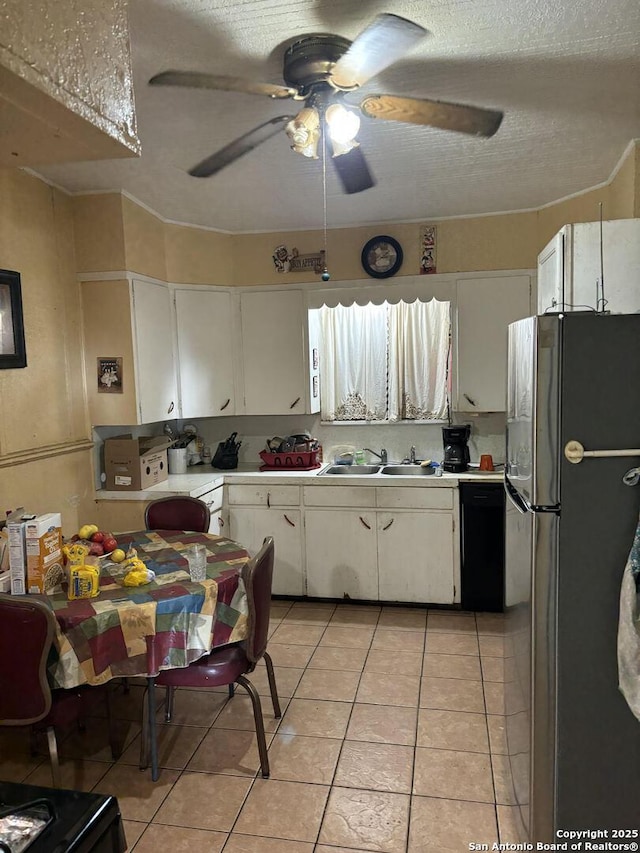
43 540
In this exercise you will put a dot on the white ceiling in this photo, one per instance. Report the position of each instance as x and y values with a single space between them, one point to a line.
565 72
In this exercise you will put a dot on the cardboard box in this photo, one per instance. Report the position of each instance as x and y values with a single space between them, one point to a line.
43 545
132 464
16 523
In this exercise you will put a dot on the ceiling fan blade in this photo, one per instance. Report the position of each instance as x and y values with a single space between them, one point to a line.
386 40
458 117
353 171
240 146
199 80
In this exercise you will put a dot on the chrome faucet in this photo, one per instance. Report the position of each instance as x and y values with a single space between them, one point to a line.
412 455
382 456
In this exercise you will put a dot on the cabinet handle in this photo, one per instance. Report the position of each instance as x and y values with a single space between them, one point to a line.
362 521
269 499
224 405
387 526
170 409
469 400
288 520
209 503
295 402
221 522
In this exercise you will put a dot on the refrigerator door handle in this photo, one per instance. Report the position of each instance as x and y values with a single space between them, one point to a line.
515 497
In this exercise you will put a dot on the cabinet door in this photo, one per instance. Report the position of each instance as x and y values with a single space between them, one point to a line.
486 306
273 350
415 557
551 275
341 554
156 384
205 355
250 525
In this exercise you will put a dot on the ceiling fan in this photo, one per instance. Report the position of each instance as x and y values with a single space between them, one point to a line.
319 70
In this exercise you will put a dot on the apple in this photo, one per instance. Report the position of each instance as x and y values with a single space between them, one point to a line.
96 549
109 544
98 536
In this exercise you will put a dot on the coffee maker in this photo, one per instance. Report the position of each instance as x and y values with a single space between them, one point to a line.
456 449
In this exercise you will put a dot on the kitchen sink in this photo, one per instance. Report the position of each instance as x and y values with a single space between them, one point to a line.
353 470
404 470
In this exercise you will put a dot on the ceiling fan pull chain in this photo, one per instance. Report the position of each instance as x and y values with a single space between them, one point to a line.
326 275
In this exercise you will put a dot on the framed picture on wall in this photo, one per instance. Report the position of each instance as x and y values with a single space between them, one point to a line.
109 375
12 348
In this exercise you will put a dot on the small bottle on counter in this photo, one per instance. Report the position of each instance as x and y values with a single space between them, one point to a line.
358 457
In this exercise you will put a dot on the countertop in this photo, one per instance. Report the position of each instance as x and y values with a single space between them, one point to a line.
206 479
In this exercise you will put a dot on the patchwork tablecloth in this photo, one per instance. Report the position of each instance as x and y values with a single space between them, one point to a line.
170 622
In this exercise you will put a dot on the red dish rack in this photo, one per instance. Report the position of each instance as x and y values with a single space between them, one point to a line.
302 460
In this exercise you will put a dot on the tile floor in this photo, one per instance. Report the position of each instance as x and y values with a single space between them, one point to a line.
391 740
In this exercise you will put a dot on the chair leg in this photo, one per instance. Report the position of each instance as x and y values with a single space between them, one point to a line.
170 693
272 686
143 763
257 713
53 756
116 752
153 742
232 690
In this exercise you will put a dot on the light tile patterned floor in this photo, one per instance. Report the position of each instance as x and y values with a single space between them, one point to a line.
391 740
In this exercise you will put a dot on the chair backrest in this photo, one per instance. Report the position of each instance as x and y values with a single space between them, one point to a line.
27 628
257 576
178 513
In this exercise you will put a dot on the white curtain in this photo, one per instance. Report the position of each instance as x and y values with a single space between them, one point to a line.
353 362
384 362
418 360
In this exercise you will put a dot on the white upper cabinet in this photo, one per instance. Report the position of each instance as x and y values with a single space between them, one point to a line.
129 325
551 274
205 340
275 353
485 307
578 270
155 373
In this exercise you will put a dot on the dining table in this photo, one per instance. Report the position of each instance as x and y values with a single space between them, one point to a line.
169 622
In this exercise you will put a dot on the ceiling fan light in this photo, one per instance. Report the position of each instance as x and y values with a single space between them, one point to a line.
343 125
339 148
304 126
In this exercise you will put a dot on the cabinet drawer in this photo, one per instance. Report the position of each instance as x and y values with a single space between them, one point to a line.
339 496
264 495
424 497
213 499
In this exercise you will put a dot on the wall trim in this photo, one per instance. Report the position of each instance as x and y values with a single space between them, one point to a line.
23 457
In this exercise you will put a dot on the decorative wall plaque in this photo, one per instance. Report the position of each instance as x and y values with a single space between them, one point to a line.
428 239
292 261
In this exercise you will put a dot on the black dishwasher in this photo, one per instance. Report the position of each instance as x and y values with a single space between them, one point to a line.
482 546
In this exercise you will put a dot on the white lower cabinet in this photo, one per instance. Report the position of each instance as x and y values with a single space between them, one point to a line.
213 500
353 542
260 510
341 553
415 557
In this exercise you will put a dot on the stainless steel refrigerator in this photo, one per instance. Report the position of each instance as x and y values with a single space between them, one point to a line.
573 744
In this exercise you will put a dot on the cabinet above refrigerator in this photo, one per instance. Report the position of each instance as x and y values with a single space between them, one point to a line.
574 265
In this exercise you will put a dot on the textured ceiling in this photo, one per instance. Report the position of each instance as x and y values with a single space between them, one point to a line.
566 74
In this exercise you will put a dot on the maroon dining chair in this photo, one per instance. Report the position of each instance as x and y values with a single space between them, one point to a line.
177 513
230 664
27 629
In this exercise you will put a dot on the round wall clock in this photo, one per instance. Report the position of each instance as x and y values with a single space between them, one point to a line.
382 257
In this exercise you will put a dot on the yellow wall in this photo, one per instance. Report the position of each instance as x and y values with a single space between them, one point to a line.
196 256
99 232
45 461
